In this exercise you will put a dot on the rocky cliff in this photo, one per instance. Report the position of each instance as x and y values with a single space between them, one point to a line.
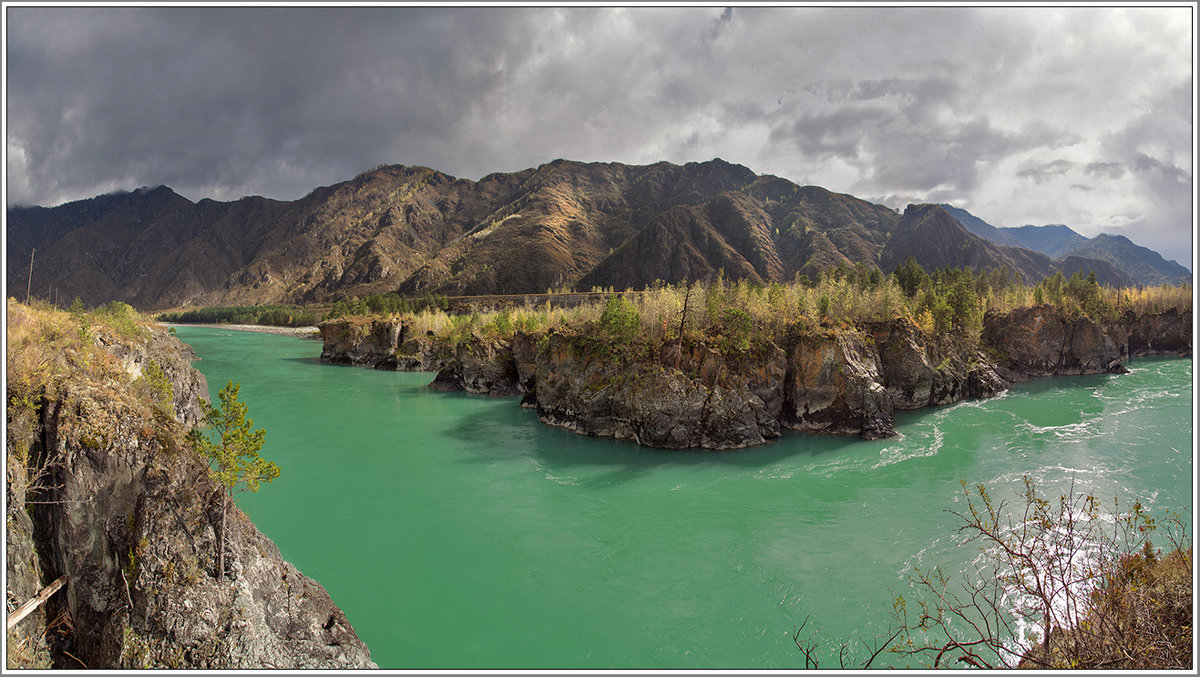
104 489
705 401
846 380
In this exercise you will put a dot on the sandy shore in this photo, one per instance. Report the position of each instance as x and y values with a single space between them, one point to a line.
302 332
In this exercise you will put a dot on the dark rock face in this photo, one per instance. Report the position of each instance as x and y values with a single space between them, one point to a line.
984 379
705 403
525 355
130 515
1039 341
379 343
920 371
906 370
1165 333
834 386
482 367
362 344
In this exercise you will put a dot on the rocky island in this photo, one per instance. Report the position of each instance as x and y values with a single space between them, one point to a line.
735 383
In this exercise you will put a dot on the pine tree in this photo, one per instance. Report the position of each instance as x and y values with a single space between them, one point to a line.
236 463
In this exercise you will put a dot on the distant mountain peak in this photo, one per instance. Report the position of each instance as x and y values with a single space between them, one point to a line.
1061 242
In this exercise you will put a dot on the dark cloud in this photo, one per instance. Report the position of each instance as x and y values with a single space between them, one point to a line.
999 110
1045 172
837 132
1057 168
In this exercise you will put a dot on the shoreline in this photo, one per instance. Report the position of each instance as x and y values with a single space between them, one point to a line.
309 332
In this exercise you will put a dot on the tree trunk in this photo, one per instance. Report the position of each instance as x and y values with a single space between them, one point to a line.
682 325
221 539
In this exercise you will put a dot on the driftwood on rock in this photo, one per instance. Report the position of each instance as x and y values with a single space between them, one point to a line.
38 600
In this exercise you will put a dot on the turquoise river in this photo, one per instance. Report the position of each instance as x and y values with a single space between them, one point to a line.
458 532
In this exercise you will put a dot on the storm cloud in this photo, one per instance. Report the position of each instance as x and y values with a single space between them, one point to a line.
1080 115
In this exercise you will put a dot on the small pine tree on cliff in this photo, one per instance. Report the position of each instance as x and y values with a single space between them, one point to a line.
236 463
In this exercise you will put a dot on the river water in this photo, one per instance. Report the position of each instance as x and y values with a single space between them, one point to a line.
458 532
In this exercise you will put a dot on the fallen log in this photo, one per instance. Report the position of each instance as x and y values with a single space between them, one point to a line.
38 600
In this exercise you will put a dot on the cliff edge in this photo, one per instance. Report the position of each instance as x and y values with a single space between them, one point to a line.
103 488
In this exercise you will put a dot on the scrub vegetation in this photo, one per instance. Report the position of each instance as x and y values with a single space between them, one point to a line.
1063 583
950 301
235 463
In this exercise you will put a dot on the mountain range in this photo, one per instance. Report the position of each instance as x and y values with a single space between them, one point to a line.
416 230
1145 266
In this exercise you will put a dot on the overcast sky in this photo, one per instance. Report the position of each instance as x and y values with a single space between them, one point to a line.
1080 116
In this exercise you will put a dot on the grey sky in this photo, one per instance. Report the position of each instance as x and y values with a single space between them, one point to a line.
1080 116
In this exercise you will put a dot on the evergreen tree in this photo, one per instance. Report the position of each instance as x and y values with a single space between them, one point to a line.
237 465
911 277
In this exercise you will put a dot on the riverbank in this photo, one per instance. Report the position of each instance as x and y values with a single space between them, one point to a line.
308 332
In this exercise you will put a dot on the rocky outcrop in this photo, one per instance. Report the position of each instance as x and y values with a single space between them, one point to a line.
1040 341
380 343
921 371
162 349
708 401
481 366
834 386
362 342
844 381
1165 333
109 493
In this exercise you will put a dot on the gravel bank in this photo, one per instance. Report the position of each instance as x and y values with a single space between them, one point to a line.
302 332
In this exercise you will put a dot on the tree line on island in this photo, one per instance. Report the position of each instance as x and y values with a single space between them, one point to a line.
948 300
736 314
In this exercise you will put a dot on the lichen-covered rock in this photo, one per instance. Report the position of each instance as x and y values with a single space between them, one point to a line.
160 347
23 576
833 386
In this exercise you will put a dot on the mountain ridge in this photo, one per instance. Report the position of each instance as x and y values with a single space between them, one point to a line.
417 230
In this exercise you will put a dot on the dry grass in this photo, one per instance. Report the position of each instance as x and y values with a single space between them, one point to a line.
44 344
26 653
1142 614
774 310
